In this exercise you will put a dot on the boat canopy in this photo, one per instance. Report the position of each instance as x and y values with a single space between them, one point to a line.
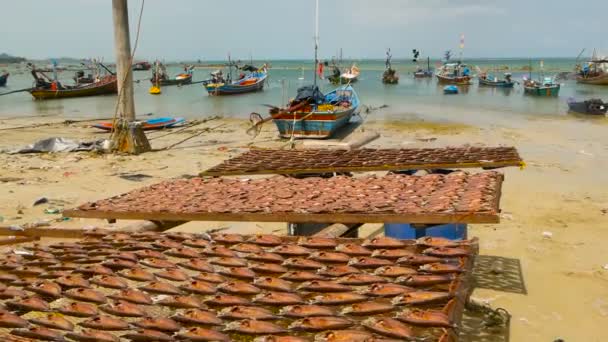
309 93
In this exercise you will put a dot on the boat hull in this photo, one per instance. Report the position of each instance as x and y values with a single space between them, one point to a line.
497 84
423 74
460 80
235 89
583 107
173 81
597 80
319 125
100 88
542 91
152 124
3 80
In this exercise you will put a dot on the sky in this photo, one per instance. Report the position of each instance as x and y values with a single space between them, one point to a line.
284 29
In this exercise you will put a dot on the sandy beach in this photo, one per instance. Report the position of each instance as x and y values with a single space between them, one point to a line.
546 262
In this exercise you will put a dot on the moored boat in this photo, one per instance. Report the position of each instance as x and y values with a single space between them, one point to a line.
252 82
3 79
547 87
493 81
142 66
420 72
151 124
594 72
106 85
454 73
591 106
160 76
389 76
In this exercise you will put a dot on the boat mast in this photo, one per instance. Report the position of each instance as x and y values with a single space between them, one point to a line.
316 40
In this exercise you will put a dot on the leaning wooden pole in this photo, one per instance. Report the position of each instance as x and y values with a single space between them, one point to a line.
128 135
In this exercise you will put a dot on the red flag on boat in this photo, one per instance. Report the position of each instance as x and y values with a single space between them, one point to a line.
320 70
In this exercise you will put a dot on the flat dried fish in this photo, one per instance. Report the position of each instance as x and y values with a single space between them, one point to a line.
147 335
45 288
160 288
291 250
383 242
344 336
303 264
94 269
226 300
237 272
301 311
387 290
273 338
131 256
265 257
166 244
78 309
278 298
72 281
447 252
158 323
254 327
122 308
394 271
157 263
267 268
227 261
301 276
38 333
53 321
392 254
133 296
209 277
330 257
317 242
10 320
428 318
197 316
105 323
238 287
199 287
218 250
246 312
150 253
425 279
389 327
432 241
118 264
421 297
339 298
196 243
110 282
320 323
247 248
200 334
441 268
137 274
418 259
360 279
353 249
368 308
368 262
199 265
266 240
323 286
11 293
89 335
32 303
337 271
227 238
273 284
181 302
184 253
27 271
86 295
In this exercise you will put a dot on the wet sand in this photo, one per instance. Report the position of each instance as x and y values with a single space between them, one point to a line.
554 223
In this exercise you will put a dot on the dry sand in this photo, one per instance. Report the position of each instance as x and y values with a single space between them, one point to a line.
554 225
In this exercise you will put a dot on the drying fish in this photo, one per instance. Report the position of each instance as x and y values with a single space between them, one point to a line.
6 265
383 242
85 259
302 263
3 287
425 279
40 254
238 287
273 284
227 261
387 290
323 286
110 282
54 274
447 252
221 251
72 257
266 240
198 287
291 250
146 335
63 266
439 268
254 327
330 257
199 334
28 304
94 269
389 327
118 264
301 311
247 248
429 318
199 265
8 278
353 249
226 300
27 271
278 298
38 333
196 243
24 282
133 296
42 262
367 308
77 309
344 336
227 238
418 259
157 263
320 323
317 242
166 244
196 316
421 297
137 274
246 312
180 236
45 288
160 324
393 271
431 241
301 276
150 253
337 271
181 302
267 268
265 257
173 274
183 252
368 262
105 323
122 308
86 295
209 277
339 298
136 247
10 320
392 254
160 288
237 272
360 279
53 321
130 256
64 245
272 338
89 335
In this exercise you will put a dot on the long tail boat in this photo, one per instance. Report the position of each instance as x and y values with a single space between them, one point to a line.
592 106
546 88
3 79
454 73
107 85
160 77
491 81
252 82
594 72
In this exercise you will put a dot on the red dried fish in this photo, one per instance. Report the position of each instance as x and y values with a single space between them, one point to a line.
77 309
133 296
317 242
11 293
278 298
166 244
42 262
291 250
266 257
27 271
339 298
421 297
337 271
393 271
227 261
246 312
157 263
237 272
146 335
8 278
431 241
323 286
425 279
418 259
368 262
196 243
330 257
160 288
320 323
28 304
227 238
353 249
149 253
209 278
273 284
367 308
272 338
54 274
118 264
53 321
360 279
122 308
441 268
387 290
10 320
301 311
63 266
429 318
160 324
137 274
238 287
181 302
267 268
218 250
392 254
303 263
183 252
247 248
89 335
38 333
199 265
45 288
301 276
199 334
105 323
199 287
94 269
344 336
383 242
266 240
196 316
447 252
86 295
130 256
226 300
7 265
110 282
254 327
389 327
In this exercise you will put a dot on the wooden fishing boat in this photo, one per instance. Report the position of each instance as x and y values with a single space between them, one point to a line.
594 72
546 88
595 79
314 115
177 80
592 106
3 79
454 73
151 124
491 81
389 76
107 85
248 84
142 66
421 73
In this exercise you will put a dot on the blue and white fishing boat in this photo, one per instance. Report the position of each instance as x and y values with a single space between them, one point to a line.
247 83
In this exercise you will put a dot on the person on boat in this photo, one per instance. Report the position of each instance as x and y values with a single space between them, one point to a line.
466 71
508 77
